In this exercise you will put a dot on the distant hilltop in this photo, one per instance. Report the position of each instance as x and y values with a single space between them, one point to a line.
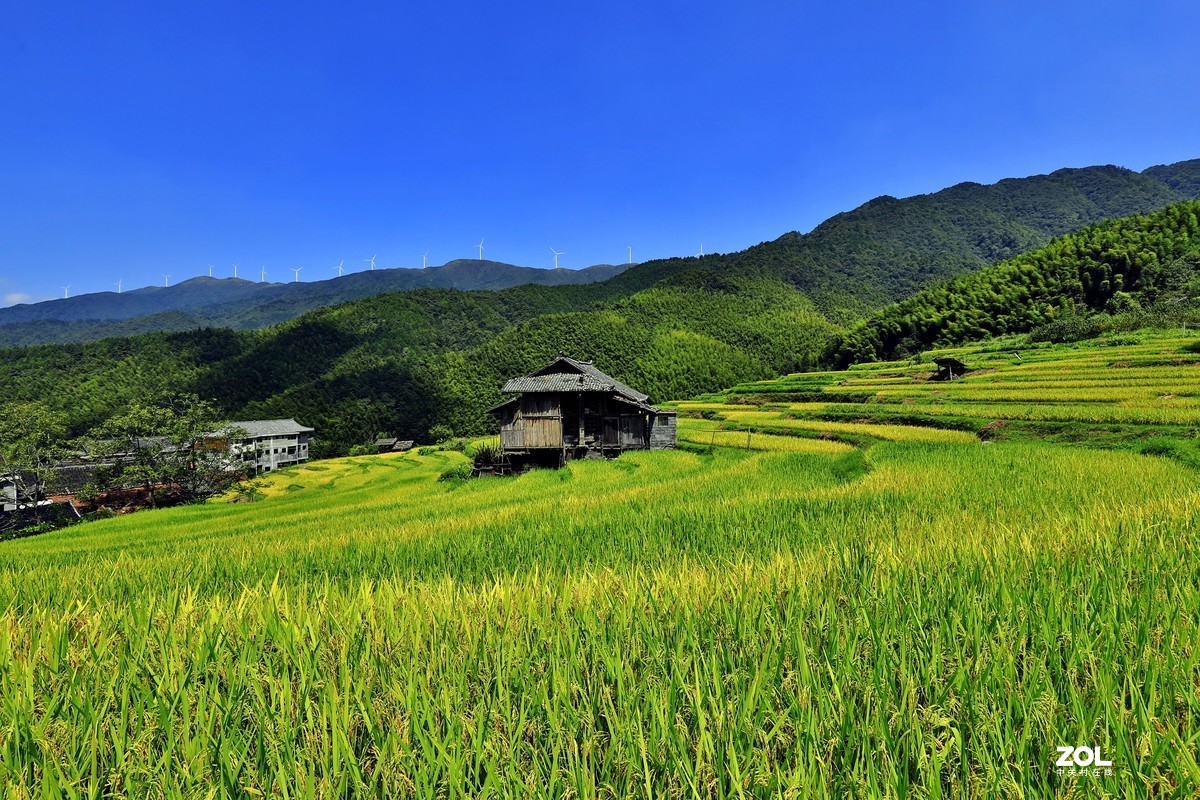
241 303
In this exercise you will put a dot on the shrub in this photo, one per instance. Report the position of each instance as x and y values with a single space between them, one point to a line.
456 473
441 433
487 455
364 450
1067 329
427 451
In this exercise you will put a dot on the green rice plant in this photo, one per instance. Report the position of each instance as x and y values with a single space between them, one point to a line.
705 433
802 618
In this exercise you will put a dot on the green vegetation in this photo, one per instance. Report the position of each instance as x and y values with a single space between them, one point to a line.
408 362
1125 267
838 602
1138 392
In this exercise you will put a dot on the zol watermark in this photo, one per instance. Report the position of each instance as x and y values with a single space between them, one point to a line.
1078 762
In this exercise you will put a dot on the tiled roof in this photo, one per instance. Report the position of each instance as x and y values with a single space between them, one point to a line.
559 382
577 376
270 427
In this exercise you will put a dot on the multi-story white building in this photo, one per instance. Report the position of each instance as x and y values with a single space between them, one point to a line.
271 444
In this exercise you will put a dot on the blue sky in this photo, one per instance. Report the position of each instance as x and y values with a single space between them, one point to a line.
149 138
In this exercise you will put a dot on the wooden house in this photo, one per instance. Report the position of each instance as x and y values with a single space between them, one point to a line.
392 444
569 409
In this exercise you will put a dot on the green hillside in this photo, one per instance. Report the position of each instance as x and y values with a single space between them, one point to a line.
839 603
403 362
1141 262
849 265
406 361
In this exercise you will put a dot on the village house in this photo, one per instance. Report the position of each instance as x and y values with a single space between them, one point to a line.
391 444
271 444
568 409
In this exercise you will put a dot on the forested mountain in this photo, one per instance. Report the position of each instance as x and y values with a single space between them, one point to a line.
239 303
404 361
1182 177
1119 266
848 265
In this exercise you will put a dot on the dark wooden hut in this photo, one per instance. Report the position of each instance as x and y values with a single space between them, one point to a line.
392 444
949 369
569 409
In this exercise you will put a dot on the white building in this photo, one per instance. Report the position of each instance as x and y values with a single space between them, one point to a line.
8 493
271 444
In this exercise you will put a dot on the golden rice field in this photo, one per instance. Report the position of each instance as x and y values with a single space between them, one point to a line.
1155 382
877 614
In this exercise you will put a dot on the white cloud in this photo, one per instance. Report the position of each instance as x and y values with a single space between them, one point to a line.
12 298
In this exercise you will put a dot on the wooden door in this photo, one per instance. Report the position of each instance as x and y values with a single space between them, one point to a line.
612 432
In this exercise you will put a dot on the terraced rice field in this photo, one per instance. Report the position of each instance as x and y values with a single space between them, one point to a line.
1148 383
867 610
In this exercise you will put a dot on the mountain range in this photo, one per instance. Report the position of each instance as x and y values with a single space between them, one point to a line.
401 362
239 303
882 251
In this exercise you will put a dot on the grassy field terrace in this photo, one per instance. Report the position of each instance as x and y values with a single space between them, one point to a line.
834 588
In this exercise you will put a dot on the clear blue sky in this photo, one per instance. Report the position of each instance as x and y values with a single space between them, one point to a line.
148 138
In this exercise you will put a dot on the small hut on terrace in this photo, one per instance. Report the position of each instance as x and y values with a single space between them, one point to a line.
948 369
569 409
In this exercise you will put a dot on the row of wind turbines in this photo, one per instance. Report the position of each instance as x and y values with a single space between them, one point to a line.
341 267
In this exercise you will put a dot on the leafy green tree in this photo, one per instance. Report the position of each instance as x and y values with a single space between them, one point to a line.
176 446
32 442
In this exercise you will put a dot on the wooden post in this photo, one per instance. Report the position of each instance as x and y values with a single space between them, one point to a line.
748 430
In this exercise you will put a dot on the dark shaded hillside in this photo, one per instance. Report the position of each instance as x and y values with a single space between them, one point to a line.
405 361
1120 266
53 331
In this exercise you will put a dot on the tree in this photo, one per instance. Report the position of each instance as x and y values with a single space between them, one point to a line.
176 445
32 444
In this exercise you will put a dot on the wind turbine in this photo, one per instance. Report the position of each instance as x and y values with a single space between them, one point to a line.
118 287
424 263
297 271
166 280
263 277
556 255
210 270
339 267
371 261
235 266
701 253
630 248
66 292
480 246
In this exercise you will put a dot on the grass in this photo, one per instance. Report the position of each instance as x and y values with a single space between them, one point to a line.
884 616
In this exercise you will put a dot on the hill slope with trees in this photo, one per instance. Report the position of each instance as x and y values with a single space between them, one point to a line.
850 265
404 362
1147 261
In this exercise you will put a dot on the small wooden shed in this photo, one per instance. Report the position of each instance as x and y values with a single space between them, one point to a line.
569 409
391 444
949 369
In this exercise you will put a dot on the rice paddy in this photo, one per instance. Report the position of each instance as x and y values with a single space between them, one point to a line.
796 603
1149 380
